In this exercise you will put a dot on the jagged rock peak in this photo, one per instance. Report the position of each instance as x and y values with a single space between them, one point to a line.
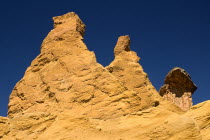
126 69
178 88
123 52
72 20
66 76
123 44
68 31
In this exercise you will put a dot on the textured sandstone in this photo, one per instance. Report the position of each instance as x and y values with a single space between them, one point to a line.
178 88
66 76
127 69
201 114
4 126
66 95
150 124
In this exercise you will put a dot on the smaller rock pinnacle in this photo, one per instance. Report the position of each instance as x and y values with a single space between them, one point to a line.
123 44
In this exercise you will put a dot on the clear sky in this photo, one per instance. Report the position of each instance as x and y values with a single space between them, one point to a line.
164 33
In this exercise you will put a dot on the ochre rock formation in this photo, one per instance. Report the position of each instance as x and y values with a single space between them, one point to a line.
66 76
66 94
178 88
4 127
126 69
201 114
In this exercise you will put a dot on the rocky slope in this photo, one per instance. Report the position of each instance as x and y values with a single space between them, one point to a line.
66 94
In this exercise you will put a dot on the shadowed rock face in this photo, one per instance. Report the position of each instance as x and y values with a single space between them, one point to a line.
178 88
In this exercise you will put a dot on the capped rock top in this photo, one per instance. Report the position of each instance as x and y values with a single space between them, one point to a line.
180 79
178 88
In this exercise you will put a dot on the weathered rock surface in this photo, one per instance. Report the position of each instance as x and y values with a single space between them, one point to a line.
66 94
4 126
178 88
127 69
66 76
150 124
201 114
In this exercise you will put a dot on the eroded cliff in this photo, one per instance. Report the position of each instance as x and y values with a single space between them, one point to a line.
66 94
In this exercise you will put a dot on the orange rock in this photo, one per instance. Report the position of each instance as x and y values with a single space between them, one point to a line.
66 94
126 69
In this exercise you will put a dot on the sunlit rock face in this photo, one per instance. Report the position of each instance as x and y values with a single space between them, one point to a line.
66 95
178 88
127 69
66 76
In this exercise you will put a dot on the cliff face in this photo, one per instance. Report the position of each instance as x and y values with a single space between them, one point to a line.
66 76
66 94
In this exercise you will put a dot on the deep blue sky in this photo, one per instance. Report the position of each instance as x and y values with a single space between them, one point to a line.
164 33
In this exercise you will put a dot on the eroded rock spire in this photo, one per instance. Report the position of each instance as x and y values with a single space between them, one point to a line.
123 44
178 88
127 69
